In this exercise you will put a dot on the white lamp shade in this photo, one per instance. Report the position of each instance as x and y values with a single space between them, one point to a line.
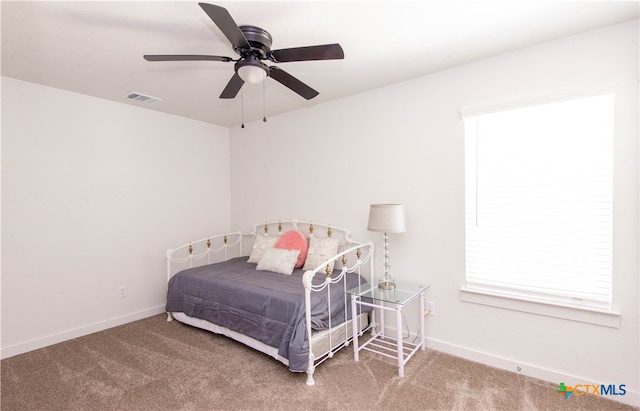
387 218
252 74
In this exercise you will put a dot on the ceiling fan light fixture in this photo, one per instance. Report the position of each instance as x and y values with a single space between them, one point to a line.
251 70
252 74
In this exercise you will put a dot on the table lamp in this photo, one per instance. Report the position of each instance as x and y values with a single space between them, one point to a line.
387 218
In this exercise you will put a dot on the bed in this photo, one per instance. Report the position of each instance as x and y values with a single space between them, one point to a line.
279 289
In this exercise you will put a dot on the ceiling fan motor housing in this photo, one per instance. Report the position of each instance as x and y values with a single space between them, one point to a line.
259 39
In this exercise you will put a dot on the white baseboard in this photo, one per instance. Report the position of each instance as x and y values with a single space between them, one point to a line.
630 398
66 335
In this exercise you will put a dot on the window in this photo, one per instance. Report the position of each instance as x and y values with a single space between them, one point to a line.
538 201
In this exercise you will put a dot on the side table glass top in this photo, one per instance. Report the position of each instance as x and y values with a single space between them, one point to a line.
402 294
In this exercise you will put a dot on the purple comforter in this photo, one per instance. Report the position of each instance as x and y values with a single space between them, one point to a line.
266 306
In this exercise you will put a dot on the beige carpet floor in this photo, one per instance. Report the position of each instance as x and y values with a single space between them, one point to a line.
155 365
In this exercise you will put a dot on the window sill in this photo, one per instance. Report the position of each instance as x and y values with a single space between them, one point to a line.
607 318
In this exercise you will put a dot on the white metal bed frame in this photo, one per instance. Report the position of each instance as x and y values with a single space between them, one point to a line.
352 257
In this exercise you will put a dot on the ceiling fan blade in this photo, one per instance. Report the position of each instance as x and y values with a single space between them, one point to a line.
323 52
291 82
183 57
233 86
226 24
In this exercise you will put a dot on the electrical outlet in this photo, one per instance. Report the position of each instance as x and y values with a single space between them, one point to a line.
430 308
122 291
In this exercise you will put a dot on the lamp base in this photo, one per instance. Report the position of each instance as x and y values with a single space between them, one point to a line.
387 285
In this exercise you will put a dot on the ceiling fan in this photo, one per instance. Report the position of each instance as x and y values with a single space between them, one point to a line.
253 45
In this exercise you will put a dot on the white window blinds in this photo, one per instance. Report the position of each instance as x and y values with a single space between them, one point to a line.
538 200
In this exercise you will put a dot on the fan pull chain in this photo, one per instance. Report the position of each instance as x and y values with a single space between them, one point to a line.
242 107
264 104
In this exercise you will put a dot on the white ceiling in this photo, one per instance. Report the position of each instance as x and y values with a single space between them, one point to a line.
96 48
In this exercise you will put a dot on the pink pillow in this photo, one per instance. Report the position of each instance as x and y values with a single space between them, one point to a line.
294 240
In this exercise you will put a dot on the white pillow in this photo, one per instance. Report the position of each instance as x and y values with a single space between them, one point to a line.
261 243
320 250
278 260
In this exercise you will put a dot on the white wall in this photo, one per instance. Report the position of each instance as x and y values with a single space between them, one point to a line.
404 143
93 193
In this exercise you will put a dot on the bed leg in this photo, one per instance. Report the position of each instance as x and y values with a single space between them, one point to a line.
169 317
310 380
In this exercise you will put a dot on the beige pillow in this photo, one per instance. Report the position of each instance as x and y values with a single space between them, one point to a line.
278 260
260 245
320 250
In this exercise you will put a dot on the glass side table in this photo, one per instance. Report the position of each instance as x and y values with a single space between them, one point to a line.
371 295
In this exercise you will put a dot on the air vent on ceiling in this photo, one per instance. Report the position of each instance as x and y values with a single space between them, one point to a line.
141 98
